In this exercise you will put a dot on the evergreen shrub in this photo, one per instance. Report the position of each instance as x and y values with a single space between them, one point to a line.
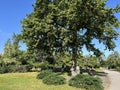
54 79
87 82
44 73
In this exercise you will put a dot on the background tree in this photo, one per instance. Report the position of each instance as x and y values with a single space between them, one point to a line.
8 49
92 61
63 25
15 45
7 57
63 62
113 60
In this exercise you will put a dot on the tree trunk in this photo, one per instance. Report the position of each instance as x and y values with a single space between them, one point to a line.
74 58
74 53
74 70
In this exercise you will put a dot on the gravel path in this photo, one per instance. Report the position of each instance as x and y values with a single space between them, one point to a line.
113 80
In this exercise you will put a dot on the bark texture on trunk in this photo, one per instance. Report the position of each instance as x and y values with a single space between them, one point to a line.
74 58
74 68
74 48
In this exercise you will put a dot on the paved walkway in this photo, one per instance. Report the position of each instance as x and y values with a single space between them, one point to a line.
113 80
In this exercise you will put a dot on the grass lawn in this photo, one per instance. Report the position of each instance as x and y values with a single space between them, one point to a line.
27 81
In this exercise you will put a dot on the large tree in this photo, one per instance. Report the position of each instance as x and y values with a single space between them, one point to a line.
68 25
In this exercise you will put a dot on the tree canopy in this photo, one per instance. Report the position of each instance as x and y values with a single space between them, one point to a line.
68 25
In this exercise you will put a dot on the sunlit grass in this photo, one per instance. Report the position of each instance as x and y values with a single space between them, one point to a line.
27 81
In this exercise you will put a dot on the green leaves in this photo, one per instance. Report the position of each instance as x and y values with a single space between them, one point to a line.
68 25
8 49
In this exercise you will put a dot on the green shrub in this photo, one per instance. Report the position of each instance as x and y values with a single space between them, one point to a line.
118 68
44 73
7 69
87 82
11 68
14 68
54 79
3 69
22 68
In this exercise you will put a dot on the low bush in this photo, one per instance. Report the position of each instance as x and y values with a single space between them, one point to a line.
118 68
14 68
54 79
22 68
3 69
11 68
87 82
7 69
44 73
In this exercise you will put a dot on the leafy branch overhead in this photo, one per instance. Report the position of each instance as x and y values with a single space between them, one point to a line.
68 25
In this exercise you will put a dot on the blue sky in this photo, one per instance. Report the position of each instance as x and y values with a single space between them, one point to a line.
13 11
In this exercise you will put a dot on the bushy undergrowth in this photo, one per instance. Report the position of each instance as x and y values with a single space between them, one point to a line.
14 68
3 69
44 73
50 78
118 68
54 79
87 82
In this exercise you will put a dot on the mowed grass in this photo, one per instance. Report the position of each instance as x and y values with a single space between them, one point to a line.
28 81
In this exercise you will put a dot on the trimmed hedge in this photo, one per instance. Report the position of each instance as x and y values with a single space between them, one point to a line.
54 79
87 82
